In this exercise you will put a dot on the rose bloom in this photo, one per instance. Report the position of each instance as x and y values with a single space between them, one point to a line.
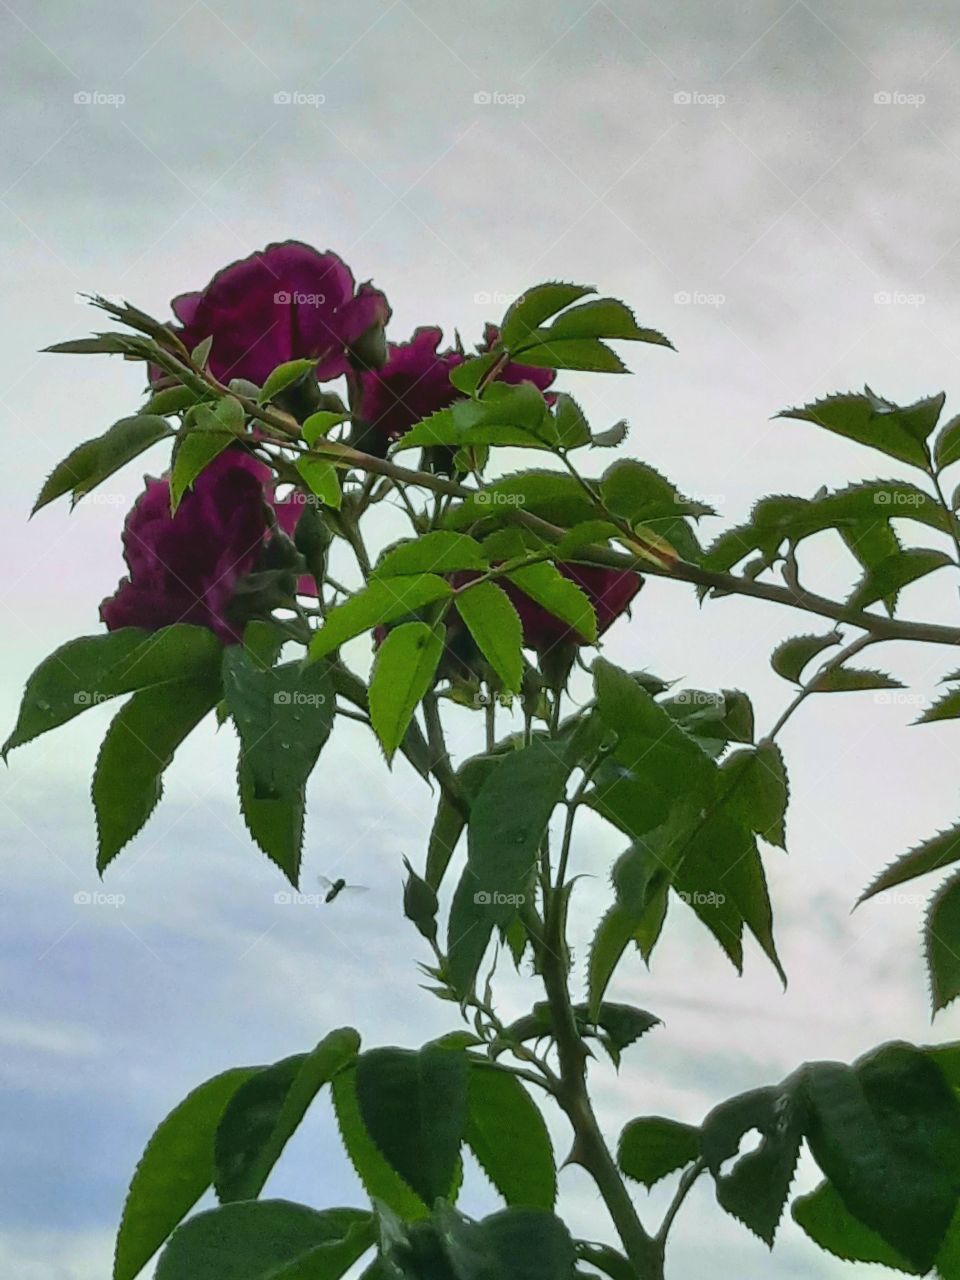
187 567
286 302
415 382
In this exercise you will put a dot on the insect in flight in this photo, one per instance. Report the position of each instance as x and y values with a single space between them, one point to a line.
335 887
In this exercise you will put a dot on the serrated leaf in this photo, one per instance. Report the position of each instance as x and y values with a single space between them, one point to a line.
380 1181
495 625
853 680
467 377
94 461
612 437
413 1104
283 715
601 318
138 747
175 1170
450 819
550 494
791 656
92 669
945 708
934 854
886 1132
946 449
756 1187
437 552
942 940
570 426
609 943
379 602
263 1114
507 414
275 825
209 432
545 584
831 1225
171 400
651 1147
420 903
267 1240
404 670
897 431
320 424
895 572
587 354
759 790
322 479
284 376
535 306
508 1136
507 823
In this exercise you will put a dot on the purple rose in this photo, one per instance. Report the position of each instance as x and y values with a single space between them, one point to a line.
413 384
186 568
288 302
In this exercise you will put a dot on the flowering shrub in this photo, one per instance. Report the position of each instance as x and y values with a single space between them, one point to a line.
504 583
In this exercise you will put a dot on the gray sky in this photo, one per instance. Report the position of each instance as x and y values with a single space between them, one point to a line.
739 158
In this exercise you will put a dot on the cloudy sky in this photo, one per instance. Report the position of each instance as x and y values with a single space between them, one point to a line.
775 186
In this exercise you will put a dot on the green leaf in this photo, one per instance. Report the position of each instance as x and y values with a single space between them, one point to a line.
508 820
173 1173
450 820
887 578
508 1136
495 626
624 1024
320 424
570 428
263 1114
886 1132
556 497
756 1187
946 450
111 344
637 492
404 670
321 478
380 1181
437 552
545 584
759 790
831 1225
171 400
267 1240
92 462
138 747
791 656
506 415
379 602
609 943
853 680
535 306
612 437
897 431
413 1104
420 903
284 376
522 1244
92 669
601 318
283 715
467 377
587 354
275 825
653 1146
940 851
945 708
210 431
605 1259
942 939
